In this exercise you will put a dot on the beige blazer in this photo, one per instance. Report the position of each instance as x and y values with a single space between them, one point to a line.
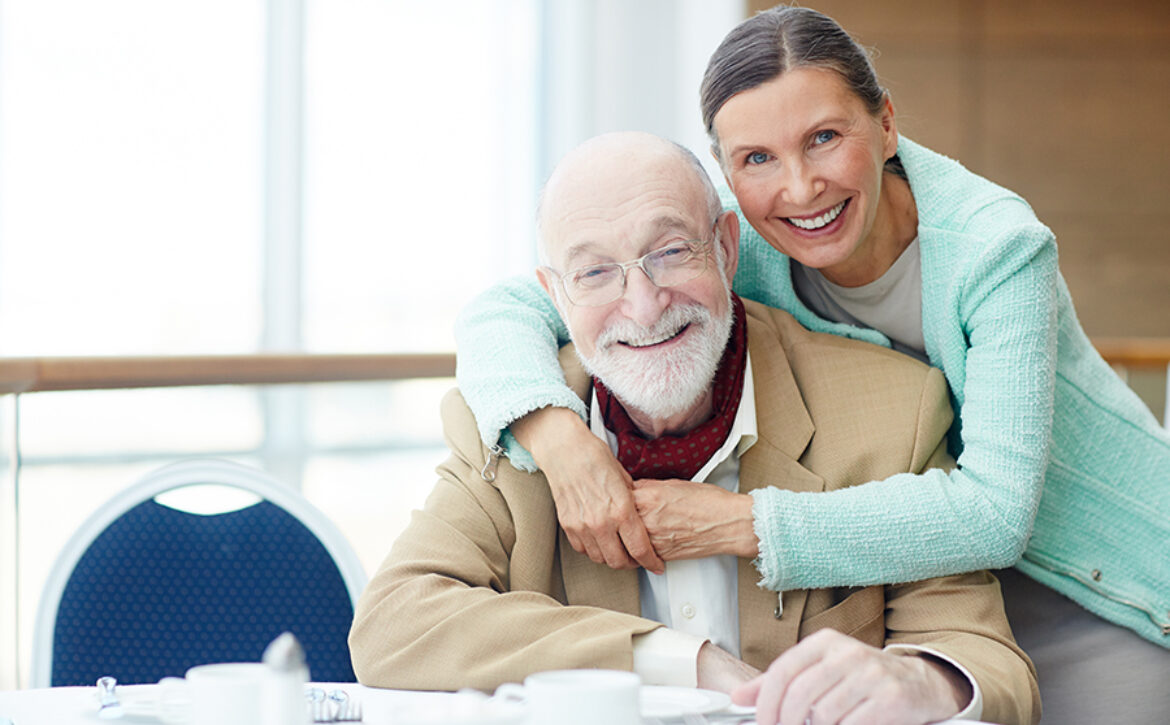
483 588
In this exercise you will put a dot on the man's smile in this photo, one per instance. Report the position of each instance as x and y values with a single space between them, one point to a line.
653 342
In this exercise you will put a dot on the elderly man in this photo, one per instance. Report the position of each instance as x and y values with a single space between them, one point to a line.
686 381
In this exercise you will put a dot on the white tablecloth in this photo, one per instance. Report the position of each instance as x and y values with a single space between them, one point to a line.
78 705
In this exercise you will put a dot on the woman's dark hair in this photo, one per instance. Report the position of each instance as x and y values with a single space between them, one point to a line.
763 47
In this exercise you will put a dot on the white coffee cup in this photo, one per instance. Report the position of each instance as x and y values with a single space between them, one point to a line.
577 697
231 693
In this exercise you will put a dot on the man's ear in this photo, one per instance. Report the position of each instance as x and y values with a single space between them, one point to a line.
728 226
548 281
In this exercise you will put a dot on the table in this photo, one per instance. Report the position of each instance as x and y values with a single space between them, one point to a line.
78 705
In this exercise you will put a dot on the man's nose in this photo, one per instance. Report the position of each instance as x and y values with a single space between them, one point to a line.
643 301
802 184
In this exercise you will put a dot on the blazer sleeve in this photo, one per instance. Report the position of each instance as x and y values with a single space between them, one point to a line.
507 340
963 618
458 604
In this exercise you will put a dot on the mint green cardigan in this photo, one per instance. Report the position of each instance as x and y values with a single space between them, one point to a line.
1062 470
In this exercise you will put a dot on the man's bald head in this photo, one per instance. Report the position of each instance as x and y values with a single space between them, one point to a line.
601 170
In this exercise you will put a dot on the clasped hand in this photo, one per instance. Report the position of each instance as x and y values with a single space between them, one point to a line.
623 523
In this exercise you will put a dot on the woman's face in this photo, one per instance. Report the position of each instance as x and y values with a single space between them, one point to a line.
804 157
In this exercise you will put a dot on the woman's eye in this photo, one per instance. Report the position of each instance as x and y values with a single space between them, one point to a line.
756 157
821 137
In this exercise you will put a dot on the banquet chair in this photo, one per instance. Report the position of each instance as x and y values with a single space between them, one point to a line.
145 590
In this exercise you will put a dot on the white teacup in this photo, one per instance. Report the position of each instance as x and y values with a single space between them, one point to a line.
578 697
231 693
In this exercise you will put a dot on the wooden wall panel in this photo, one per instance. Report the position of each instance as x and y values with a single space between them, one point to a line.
1067 103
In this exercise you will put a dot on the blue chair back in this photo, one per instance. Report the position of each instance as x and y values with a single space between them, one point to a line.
159 590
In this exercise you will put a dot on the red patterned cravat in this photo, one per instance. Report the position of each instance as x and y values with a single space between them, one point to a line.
682 456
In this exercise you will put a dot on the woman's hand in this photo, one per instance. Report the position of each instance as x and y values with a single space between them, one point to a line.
590 488
831 678
688 520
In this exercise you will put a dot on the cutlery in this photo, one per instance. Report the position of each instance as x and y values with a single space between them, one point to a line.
108 706
348 710
319 708
351 713
337 706
721 718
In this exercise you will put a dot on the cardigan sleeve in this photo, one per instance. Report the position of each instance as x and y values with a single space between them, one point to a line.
978 515
508 339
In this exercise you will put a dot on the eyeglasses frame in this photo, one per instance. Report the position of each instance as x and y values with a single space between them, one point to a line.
640 262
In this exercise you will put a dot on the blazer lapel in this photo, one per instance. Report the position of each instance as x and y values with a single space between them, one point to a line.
596 585
586 582
785 429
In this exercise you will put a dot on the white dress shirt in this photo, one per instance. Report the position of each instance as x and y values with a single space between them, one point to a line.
697 599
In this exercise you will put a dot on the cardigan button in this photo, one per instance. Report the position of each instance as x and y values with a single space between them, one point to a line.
1096 574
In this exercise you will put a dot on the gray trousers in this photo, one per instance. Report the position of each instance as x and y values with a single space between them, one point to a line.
1090 671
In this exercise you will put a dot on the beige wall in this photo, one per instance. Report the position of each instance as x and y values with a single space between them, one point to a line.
1066 102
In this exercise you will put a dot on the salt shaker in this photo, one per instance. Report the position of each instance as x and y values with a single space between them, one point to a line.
285 694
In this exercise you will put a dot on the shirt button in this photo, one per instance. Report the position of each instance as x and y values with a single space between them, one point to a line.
688 611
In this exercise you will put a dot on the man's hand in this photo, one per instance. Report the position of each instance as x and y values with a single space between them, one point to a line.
590 488
688 520
719 670
832 678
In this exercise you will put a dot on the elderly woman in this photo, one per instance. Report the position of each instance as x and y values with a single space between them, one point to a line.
1062 471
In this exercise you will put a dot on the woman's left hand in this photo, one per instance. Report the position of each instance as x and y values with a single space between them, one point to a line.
688 520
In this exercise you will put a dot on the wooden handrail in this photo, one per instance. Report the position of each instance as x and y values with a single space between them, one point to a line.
30 375
1134 352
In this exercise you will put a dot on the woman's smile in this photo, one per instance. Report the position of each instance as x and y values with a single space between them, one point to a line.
824 222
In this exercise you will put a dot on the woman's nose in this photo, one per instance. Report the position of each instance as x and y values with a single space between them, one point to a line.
802 185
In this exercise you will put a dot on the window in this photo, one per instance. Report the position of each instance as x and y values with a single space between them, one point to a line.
232 176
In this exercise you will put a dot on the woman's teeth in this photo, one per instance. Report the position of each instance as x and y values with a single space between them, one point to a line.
818 221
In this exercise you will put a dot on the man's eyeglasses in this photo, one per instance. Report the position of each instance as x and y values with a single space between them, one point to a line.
600 284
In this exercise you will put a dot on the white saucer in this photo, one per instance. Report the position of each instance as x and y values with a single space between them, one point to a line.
674 702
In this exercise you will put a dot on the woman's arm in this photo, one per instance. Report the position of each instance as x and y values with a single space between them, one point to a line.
978 515
508 339
509 375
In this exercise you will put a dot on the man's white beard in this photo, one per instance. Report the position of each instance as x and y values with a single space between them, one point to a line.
661 384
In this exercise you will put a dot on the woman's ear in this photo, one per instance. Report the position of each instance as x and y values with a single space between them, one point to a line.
889 128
